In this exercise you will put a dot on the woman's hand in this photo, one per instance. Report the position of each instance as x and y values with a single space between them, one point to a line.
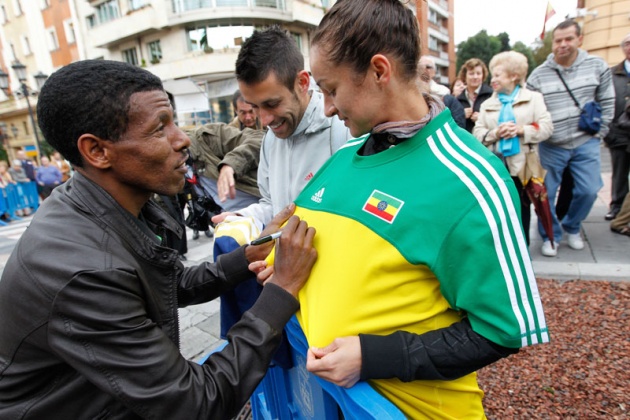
339 362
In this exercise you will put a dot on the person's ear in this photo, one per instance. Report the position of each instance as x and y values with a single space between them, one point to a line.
95 151
381 69
303 81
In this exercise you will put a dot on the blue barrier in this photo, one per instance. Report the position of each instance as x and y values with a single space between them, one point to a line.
17 197
296 394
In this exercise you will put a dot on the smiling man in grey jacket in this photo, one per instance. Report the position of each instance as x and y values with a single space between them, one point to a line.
589 79
271 77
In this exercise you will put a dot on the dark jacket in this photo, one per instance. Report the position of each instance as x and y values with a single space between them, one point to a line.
456 108
29 168
484 93
90 329
619 134
216 144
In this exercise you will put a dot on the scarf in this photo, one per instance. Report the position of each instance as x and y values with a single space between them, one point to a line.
391 133
508 147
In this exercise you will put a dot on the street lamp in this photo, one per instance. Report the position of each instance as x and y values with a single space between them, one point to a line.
20 72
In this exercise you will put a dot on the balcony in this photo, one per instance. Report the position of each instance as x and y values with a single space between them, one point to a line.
182 6
439 35
184 12
134 24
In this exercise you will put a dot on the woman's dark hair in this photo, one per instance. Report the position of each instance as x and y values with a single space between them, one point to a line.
266 51
353 31
90 96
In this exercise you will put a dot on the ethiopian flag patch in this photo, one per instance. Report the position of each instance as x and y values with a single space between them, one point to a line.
383 206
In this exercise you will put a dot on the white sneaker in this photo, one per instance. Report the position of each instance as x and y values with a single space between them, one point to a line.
575 241
548 251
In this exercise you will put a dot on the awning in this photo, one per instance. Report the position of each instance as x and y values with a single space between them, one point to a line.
187 95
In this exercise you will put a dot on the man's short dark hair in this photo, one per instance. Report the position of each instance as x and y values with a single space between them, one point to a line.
266 51
567 24
90 96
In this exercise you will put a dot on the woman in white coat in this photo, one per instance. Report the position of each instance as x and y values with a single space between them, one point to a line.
513 120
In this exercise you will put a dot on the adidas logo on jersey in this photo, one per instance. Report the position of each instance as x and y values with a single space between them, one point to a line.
317 197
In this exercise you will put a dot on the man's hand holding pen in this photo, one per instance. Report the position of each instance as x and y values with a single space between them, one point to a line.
294 255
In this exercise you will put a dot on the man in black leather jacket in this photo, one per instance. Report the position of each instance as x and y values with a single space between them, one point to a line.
89 297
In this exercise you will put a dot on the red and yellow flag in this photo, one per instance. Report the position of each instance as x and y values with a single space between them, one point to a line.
548 14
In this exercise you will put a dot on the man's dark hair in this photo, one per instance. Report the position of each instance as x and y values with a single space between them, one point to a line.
238 96
90 96
266 51
352 32
567 24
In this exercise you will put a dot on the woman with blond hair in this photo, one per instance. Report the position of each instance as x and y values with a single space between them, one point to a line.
513 121
473 74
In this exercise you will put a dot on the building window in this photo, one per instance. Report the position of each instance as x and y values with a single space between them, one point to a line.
268 3
26 45
107 11
433 18
130 56
433 44
155 52
68 28
91 21
3 14
51 39
231 3
12 47
17 7
209 39
137 4
298 39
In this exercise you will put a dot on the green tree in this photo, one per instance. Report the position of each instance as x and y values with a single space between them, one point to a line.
527 52
504 39
481 46
47 149
540 54
3 153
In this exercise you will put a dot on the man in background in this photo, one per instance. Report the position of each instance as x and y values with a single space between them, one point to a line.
589 79
427 66
27 164
618 138
245 115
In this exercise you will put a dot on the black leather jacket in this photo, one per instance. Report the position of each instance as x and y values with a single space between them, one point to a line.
89 326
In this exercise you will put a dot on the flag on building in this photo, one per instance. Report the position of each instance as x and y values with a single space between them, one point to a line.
548 14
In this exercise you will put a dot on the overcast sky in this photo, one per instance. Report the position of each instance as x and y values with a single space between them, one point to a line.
521 19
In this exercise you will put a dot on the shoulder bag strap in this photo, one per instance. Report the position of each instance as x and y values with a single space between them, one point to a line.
568 90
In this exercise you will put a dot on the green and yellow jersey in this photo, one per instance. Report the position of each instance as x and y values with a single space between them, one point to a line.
412 238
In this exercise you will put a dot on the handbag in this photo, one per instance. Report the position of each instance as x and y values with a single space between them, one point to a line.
591 113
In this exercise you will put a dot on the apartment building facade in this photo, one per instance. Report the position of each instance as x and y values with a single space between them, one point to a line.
37 34
437 35
604 24
191 45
